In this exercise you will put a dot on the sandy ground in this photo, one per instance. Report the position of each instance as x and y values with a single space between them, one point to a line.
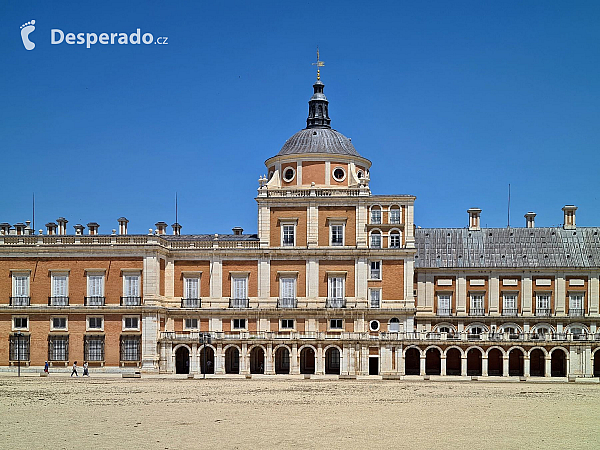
171 413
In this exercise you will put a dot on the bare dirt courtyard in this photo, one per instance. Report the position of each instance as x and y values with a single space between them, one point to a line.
160 413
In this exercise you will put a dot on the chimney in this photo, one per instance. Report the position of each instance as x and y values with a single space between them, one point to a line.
4 228
93 228
176 229
20 228
78 229
122 225
474 219
161 227
62 225
28 229
569 223
530 219
50 228
237 231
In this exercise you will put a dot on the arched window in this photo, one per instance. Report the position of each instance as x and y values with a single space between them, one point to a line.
395 239
376 215
375 239
394 217
394 325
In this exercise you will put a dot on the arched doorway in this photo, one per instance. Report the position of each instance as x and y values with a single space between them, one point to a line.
453 362
282 361
474 362
232 360
412 362
597 363
257 360
332 361
182 360
433 362
307 360
537 363
516 361
559 364
495 363
209 362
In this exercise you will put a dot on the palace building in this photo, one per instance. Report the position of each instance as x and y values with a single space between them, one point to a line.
336 281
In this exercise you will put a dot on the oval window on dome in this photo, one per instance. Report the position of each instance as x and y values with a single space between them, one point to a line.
288 174
360 174
339 174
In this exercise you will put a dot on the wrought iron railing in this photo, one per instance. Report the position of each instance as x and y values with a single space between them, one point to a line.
287 302
478 312
509 312
58 301
239 303
335 303
94 301
131 301
191 303
542 312
576 312
19 301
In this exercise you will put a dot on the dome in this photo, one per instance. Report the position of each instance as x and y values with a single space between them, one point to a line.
318 140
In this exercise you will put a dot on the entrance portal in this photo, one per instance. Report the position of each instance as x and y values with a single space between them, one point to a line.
207 365
182 360
537 363
597 363
332 361
559 364
282 361
495 363
373 365
453 362
516 363
412 362
307 361
232 360
257 360
474 362
433 362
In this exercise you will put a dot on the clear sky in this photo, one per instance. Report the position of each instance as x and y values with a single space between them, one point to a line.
450 100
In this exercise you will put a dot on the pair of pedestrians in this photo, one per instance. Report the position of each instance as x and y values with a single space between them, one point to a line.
85 369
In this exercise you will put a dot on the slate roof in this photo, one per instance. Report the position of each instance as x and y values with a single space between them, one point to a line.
507 247
318 140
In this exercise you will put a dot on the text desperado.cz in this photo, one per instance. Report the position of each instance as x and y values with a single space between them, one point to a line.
89 39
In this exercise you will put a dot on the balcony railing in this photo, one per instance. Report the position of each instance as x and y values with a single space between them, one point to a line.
191 303
576 312
542 312
335 303
239 303
58 301
131 301
444 312
19 301
94 301
509 312
477 312
287 302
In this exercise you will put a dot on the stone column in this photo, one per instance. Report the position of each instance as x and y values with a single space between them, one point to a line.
294 366
345 369
150 334
443 365
484 366
548 366
401 363
245 356
364 360
463 365
505 365
526 366
320 366
269 367
194 366
219 360
423 361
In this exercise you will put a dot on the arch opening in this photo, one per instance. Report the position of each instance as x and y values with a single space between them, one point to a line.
537 363
453 362
282 361
495 363
516 363
558 366
207 362
232 360
332 361
307 361
257 360
433 362
182 360
412 362
474 362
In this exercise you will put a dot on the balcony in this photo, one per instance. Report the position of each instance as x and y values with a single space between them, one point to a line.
193 303
576 312
477 312
287 302
445 312
509 312
542 312
58 301
131 301
335 303
19 301
239 303
94 301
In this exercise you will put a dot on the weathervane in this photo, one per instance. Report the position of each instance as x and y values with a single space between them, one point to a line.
319 63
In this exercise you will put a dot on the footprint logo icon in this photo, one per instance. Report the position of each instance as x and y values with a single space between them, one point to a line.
26 30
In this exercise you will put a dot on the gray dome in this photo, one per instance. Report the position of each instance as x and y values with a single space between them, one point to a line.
318 140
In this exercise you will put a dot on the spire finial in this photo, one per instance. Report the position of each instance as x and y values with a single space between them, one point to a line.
319 63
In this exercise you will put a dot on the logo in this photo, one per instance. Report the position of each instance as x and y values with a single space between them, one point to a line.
26 30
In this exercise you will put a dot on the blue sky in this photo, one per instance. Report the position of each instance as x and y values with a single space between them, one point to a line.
451 101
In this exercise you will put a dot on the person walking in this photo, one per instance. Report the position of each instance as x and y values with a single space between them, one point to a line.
46 367
85 369
74 369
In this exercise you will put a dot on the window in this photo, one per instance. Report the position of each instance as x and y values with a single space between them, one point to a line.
375 273
287 324
94 323
287 286
288 174
20 323
475 331
477 308
395 241
19 348
239 324
394 325
131 290
542 305
289 235
59 323
20 291
240 288
192 287
336 324
542 332
394 216
130 348
376 215
131 323
60 290
375 239
95 290
444 307
339 174
58 348
190 324
337 234
576 304
374 325
93 348
335 288
509 305
375 298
